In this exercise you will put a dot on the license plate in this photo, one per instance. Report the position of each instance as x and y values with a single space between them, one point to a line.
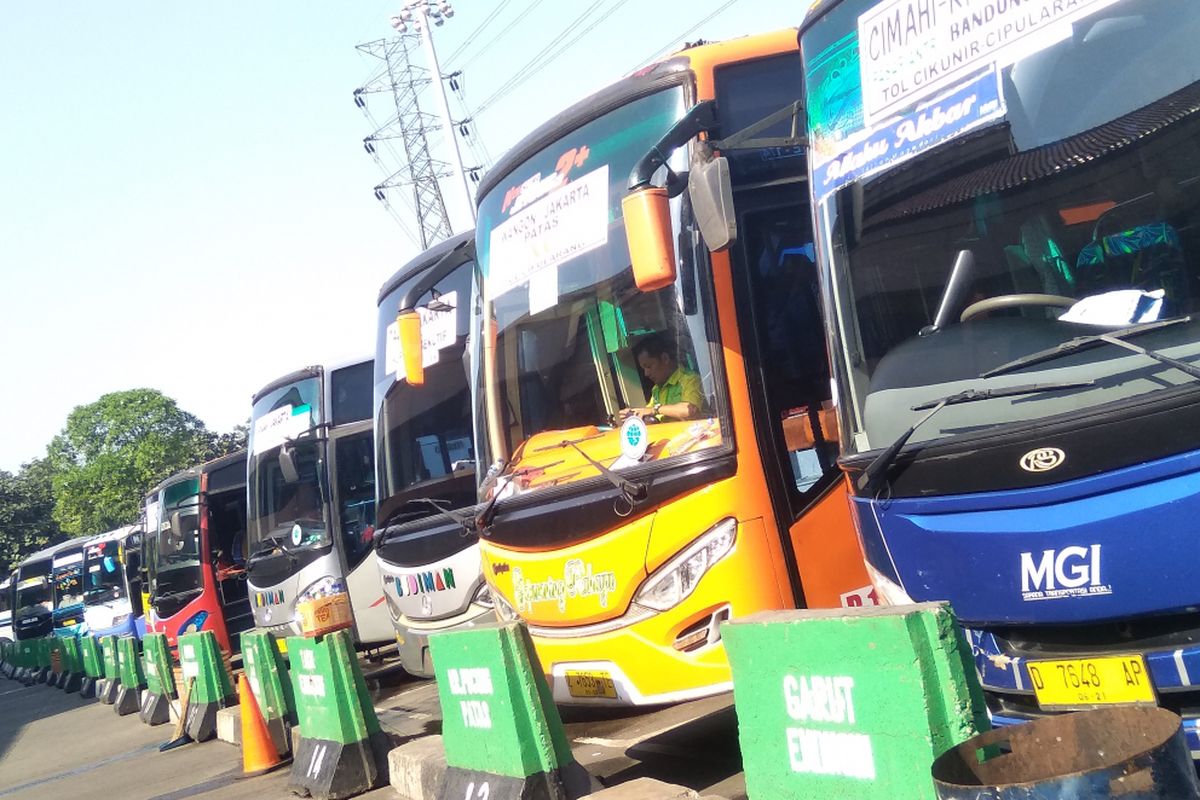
66 623
1085 682
591 684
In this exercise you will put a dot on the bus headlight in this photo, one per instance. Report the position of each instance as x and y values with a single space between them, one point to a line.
668 585
483 596
504 609
120 619
321 587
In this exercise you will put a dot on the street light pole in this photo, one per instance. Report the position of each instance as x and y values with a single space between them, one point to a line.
419 14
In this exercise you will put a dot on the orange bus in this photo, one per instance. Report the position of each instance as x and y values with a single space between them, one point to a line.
661 446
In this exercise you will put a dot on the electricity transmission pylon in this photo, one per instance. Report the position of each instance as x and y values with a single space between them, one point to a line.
403 80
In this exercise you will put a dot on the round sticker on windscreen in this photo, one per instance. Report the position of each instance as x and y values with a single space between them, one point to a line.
634 438
297 534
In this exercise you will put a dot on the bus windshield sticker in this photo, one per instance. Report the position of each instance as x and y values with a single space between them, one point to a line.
835 113
913 48
974 103
273 429
543 290
567 222
439 330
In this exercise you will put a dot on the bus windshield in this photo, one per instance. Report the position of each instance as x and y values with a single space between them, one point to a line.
569 345
286 508
104 574
33 588
68 580
1047 157
425 447
176 564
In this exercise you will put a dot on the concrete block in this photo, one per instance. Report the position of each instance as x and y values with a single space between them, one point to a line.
643 789
418 768
229 725
851 702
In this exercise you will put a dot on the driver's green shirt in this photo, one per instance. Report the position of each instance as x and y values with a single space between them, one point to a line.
682 387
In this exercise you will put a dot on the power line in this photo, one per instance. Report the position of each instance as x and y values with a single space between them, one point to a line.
552 51
672 42
501 34
471 36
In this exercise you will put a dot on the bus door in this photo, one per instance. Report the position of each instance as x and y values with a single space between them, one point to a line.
351 490
782 330
225 517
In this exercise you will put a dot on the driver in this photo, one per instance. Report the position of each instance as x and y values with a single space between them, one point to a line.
676 394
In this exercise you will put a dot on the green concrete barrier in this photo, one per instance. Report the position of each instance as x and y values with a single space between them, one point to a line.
43 659
93 666
106 692
342 750
267 671
500 727
160 680
72 663
133 679
203 666
850 702
26 660
58 665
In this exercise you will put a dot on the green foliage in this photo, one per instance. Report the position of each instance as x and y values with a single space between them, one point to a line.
222 444
113 451
26 505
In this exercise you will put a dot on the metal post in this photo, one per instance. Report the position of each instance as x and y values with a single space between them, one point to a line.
439 91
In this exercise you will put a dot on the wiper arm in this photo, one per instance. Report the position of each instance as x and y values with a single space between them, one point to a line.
464 520
633 491
867 482
1112 337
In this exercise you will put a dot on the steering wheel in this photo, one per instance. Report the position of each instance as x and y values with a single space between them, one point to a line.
1013 301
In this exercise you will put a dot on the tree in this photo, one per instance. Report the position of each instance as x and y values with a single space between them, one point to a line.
113 451
26 506
222 444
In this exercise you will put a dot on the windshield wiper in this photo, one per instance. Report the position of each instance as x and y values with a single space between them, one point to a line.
632 491
871 476
1116 337
270 546
464 520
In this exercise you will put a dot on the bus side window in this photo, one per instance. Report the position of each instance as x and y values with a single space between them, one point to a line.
356 494
791 332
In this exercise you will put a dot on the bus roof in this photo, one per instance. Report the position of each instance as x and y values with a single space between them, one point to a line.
115 535
422 261
314 371
52 550
670 71
200 469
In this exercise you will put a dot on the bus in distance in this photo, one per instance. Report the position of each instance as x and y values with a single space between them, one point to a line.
197 572
112 593
312 499
66 579
425 457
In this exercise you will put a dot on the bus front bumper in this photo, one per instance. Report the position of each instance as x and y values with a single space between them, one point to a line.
412 636
665 658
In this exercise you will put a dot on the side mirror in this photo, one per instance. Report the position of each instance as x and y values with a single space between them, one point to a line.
711 191
647 214
176 525
408 324
287 464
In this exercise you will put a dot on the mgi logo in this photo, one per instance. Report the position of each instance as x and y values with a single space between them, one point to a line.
1070 572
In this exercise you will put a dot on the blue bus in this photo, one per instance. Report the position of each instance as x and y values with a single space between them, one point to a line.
1007 214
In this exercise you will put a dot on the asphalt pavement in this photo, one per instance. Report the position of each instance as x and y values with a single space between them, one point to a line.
55 745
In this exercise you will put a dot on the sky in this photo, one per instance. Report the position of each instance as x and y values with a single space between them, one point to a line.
185 201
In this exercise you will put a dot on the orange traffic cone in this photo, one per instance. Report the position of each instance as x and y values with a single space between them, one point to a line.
259 755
